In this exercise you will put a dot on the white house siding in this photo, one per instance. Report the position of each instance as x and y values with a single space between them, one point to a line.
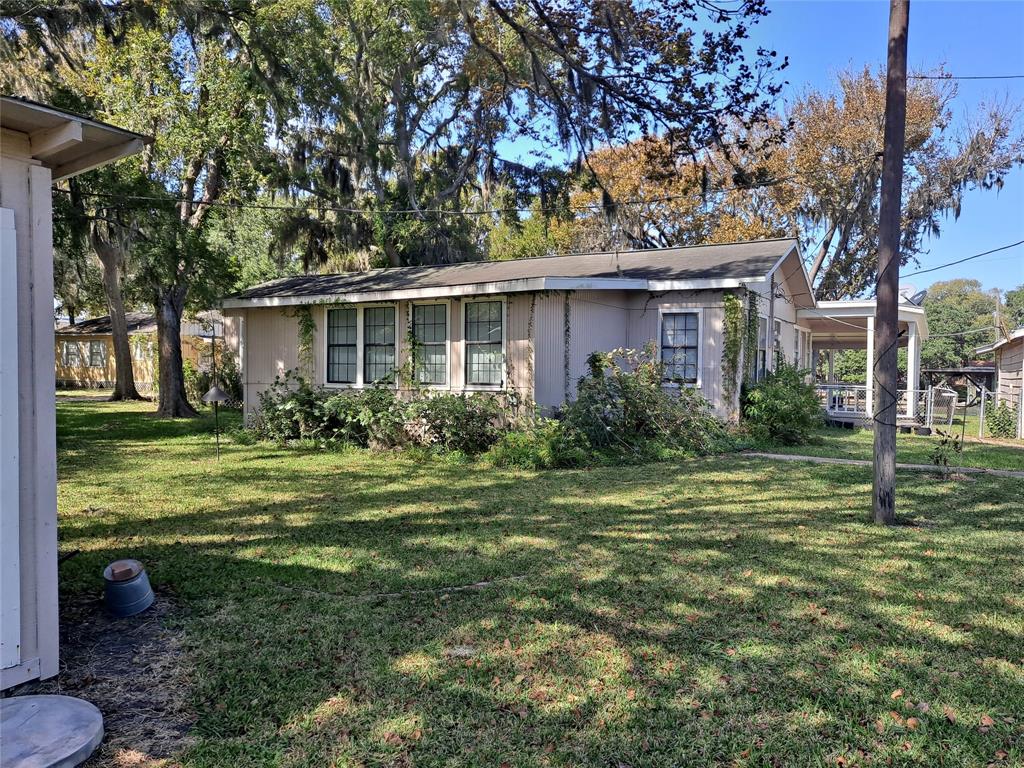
25 193
597 323
785 310
644 327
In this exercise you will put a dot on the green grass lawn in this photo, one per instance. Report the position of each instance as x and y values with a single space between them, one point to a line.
834 442
730 611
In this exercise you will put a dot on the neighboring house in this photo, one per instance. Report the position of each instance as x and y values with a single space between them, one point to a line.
1009 364
84 351
38 146
528 326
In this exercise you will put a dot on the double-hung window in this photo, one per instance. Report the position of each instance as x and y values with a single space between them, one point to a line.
777 345
378 345
430 332
484 336
762 348
680 340
97 354
341 346
70 354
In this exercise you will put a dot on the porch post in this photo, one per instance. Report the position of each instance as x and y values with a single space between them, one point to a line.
913 368
870 378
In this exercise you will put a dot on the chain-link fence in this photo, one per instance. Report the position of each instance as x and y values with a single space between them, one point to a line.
995 415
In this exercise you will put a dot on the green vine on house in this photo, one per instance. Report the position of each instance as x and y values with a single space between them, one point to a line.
734 328
307 338
740 343
750 340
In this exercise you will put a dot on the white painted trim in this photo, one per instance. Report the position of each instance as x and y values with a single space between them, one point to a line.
447 304
676 309
49 141
10 496
1014 335
489 289
466 386
96 159
359 349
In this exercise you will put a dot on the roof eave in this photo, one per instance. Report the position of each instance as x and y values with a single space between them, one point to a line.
506 286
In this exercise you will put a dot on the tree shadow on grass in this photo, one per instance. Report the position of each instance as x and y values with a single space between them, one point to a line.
699 613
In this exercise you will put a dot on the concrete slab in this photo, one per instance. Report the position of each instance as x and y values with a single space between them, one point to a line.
48 731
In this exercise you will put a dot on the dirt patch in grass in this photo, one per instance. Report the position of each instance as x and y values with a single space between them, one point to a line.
135 670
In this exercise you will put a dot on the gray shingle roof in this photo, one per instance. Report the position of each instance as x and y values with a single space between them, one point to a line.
138 322
707 262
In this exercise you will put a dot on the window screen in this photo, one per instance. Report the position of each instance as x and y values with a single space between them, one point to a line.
97 354
378 345
430 329
679 340
483 343
70 353
341 346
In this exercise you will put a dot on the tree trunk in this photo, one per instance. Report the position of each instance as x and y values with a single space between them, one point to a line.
110 253
887 292
173 403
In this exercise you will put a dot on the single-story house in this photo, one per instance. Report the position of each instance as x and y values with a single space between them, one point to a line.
38 146
528 326
84 351
1009 364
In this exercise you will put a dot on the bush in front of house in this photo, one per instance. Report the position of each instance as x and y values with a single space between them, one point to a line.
293 410
623 405
1002 421
198 382
782 407
542 444
624 411
466 423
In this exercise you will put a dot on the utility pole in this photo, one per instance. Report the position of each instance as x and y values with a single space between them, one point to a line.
887 290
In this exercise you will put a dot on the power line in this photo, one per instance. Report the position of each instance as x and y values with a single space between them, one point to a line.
965 77
968 258
433 211
325 208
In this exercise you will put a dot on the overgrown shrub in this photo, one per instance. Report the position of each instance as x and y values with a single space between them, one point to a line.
1002 420
291 409
544 444
623 404
198 383
949 447
782 407
467 423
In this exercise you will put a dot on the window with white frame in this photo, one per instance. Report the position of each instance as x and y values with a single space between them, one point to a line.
342 333
97 354
803 348
680 352
430 332
777 344
762 348
378 345
70 355
484 335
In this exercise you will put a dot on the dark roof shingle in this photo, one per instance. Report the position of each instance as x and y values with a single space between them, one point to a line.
730 260
138 322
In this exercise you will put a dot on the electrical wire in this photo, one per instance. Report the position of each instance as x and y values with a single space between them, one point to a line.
968 258
965 77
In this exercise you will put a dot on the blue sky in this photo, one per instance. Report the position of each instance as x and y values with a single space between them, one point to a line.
969 38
